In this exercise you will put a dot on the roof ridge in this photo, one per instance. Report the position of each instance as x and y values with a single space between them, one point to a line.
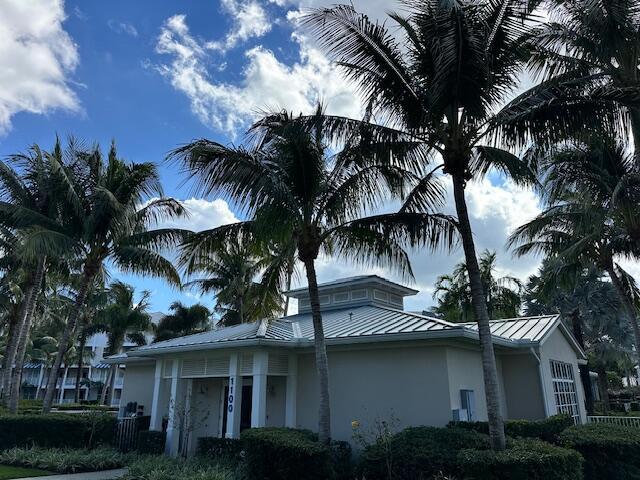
418 315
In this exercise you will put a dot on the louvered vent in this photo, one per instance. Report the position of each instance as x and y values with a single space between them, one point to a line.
194 368
278 364
167 367
246 365
217 366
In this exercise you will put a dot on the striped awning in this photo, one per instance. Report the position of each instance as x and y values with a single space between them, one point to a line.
102 365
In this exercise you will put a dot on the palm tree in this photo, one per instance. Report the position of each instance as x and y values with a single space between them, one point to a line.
122 319
591 218
438 80
453 292
231 274
113 205
184 320
293 189
594 46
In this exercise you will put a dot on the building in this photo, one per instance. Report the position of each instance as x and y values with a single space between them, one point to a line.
93 376
385 363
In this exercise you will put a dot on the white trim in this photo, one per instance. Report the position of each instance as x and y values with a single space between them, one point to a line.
173 429
543 384
259 390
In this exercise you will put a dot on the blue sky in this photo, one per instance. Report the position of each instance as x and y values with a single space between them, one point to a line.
154 75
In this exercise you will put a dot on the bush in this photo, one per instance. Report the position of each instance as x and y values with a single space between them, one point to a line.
56 430
547 429
419 453
165 468
80 406
610 451
528 459
64 460
151 442
284 454
214 447
341 460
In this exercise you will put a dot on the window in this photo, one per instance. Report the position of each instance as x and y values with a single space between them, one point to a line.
564 389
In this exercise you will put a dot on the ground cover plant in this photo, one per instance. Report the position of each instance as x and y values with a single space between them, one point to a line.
150 467
64 460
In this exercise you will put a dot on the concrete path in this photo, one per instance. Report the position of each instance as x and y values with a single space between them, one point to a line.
103 475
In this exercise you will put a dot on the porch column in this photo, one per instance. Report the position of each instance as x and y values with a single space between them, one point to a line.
156 417
259 391
64 381
290 419
188 416
173 426
234 400
40 377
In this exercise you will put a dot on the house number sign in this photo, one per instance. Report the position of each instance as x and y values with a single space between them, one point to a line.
231 397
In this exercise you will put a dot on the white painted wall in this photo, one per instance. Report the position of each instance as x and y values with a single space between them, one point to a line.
524 397
206 409
276 390
556 347
138 385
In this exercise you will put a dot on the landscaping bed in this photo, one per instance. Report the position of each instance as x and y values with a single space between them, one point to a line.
64 460
9 472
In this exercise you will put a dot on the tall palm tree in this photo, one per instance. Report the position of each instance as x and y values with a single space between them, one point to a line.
594 46
231 273
438 79
184 320
113 205
122 319
294 189
502 294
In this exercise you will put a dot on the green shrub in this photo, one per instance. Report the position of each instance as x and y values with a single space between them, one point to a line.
341 460
547 429
285 454
64 460
418 453
149 467
610 451
56 430
151 442
525 459
214 447
80 406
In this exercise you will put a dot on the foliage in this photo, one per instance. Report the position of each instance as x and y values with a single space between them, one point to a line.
151 467
341 460
419 452
610 451
151 442
85 407
453 292
547 429
56 430
8 472
64 460
183 320
219 448
522 460
283 454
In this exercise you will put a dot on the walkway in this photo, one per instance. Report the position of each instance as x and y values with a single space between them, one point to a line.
103 475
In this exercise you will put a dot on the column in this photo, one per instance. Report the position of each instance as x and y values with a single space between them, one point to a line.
173 426
40 377
188 416
156 416
259 391
62 385
291 399
234 399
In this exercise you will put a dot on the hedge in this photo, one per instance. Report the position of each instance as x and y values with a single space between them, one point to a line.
611 452
151 442
547 429
64 460
145 467
285 454
214 447
524 459
56 430
417 453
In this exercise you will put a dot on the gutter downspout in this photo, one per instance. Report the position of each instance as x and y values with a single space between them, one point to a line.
542 382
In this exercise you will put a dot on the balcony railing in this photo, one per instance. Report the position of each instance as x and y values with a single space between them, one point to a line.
624 421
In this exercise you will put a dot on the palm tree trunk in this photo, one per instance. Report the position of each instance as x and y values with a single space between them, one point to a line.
14 340
16 377
603 384
322 363
286 297
112 383
627 303
489 369
81 345
7 365
576 324
87 278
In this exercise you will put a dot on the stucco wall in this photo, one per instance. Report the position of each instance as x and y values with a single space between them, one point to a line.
408 384
138 386
276 393
522 386
465 373
556 347
206 408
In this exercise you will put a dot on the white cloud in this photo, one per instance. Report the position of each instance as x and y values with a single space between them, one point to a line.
250 20
266 83
36 57
203 215
123 27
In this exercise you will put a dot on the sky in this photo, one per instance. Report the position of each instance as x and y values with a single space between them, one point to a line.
155 75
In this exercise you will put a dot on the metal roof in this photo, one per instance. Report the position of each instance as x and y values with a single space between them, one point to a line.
355 280
365 323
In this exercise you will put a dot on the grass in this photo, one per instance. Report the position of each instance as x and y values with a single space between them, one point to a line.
7 472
